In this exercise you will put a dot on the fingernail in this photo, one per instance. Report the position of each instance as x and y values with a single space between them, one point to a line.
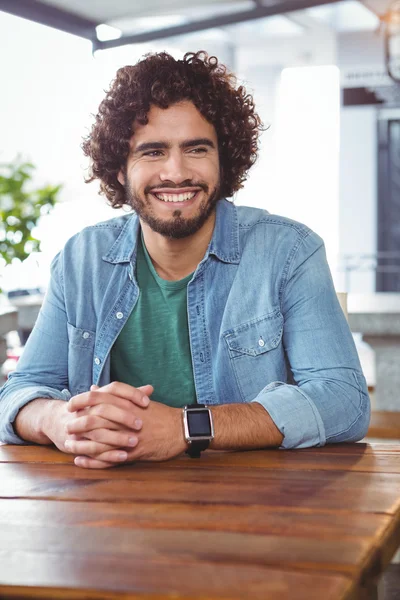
122 456
146 401
138 423
132 441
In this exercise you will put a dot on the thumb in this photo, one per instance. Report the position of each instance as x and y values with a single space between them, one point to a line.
146 389
93 388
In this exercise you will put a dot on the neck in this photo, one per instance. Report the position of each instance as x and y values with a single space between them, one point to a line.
174 259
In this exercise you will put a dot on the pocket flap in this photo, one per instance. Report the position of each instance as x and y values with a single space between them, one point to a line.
257 336
84 338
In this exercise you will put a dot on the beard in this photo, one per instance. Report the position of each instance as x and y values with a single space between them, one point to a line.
177 227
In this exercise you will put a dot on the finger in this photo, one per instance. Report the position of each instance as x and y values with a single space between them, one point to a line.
86 462
115 414
87 447
146 389
85 422
119 439
106 395
90 422
70 438
105 422
139 396
84 401
96 399
113 456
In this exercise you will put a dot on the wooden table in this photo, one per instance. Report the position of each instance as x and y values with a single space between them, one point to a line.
268 525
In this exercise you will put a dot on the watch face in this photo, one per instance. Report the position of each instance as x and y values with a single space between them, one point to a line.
199 423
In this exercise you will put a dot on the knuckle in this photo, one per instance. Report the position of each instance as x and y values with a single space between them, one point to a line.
95 435
70 448
93 448
126 405
99 410
92 395
90 421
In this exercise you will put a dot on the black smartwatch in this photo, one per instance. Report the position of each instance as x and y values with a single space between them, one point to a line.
198 428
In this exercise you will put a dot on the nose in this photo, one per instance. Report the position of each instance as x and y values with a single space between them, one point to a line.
175 169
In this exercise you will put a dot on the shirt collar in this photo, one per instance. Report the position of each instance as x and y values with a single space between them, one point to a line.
225 240
224 243
125 246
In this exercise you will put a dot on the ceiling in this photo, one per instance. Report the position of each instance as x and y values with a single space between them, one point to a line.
114 23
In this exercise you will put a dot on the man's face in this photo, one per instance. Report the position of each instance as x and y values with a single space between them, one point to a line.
171 177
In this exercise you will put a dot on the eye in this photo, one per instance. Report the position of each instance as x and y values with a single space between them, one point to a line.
200 150
153 153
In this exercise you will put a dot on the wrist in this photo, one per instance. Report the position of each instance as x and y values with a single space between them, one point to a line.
182 444
30 421
49 418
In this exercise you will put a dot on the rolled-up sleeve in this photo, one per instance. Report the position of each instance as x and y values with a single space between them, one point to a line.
42 371
16 398
328 401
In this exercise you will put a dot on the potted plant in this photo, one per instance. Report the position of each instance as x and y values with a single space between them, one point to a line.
21 207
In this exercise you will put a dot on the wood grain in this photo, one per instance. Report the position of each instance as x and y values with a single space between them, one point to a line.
318 523
354 457
185 580
384 424
321 490
276 520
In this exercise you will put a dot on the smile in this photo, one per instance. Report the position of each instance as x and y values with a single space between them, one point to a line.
175 197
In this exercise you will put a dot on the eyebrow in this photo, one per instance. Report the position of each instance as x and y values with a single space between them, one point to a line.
165 146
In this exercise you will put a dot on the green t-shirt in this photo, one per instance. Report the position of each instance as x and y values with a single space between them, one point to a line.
153 346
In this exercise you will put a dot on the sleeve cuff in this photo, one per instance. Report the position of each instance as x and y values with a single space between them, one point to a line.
294 414
17 400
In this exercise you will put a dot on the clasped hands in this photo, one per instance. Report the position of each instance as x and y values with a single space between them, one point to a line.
118 423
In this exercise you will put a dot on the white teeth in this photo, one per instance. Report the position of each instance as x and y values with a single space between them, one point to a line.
176 197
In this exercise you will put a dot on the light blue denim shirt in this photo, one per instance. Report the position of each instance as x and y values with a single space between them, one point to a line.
264 320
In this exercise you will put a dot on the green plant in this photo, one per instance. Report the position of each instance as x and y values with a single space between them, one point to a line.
20 209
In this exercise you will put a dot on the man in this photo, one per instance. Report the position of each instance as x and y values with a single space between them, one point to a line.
189 301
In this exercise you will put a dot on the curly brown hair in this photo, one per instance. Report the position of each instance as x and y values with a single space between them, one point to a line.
161 80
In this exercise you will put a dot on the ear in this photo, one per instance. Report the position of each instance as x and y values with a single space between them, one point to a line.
121 177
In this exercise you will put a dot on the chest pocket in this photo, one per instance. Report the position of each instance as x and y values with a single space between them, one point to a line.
80 358
256 353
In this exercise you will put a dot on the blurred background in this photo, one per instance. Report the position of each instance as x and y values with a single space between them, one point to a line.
325 80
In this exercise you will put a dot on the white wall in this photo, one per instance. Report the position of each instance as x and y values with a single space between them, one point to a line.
358 159
358 191
50 85
297 172
54 84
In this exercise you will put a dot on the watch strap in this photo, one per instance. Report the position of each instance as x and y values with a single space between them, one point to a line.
196 448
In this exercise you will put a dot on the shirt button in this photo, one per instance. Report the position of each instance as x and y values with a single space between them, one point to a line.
85 335
261 343
97 361
119 315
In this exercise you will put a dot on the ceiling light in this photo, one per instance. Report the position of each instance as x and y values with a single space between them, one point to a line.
106 32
